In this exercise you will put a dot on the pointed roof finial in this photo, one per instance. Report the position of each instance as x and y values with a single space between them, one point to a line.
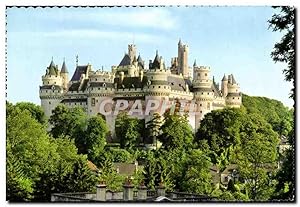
52 63
156 52
77 57
224 78
195 63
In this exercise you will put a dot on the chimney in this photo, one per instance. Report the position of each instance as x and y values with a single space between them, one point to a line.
142 191
161 190
128 190
101 192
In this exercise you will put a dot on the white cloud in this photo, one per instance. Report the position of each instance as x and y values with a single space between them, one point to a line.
110 35
157 18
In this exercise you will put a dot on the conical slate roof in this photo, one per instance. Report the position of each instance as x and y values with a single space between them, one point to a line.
195 63
64 68
156 61
140 60
52 69
232 80
224 78
125 61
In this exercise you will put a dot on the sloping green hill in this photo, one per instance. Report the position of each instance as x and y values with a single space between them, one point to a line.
274 112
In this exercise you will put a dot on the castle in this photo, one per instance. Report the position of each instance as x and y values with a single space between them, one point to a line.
132 80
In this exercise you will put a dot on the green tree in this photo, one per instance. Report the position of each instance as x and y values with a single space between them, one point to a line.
176 132
38 165
109 175
129 130
220 129
68 122
284 51
256 162
197 178
95 137
35 110
153 129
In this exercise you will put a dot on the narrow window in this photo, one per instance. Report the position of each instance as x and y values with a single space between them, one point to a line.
93 101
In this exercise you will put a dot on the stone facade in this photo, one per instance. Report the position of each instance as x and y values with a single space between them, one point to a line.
132 80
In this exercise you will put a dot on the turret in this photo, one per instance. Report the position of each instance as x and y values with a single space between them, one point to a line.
224 84
234 97
64 75
131 51
51 90
183 51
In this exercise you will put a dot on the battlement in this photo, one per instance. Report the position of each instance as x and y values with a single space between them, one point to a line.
198 68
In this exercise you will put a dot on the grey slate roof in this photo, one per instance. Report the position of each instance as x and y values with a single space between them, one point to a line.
233 80
125 61
177 83
156 62
128 82
224 78
74 86
216 90
100 84
64 68
79 70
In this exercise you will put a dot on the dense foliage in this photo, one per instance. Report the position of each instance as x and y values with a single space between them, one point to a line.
40 163
285 50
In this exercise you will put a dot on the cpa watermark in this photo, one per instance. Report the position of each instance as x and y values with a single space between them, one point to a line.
110 107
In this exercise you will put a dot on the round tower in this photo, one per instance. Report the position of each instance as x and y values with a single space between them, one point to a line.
234 96
51 91
65 76
203 93
224 86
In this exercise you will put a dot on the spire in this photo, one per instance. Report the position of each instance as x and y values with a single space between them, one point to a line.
224 78
156 61
214 79
179 43
52 63
139 58
77 60
232 80
64 67
195 63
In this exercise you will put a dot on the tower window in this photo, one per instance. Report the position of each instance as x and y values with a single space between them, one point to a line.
49 102
208 106
158 86
104 79
205 74
93 101
200 112
95 79
153 86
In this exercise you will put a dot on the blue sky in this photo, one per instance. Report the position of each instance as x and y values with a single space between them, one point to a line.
228 39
